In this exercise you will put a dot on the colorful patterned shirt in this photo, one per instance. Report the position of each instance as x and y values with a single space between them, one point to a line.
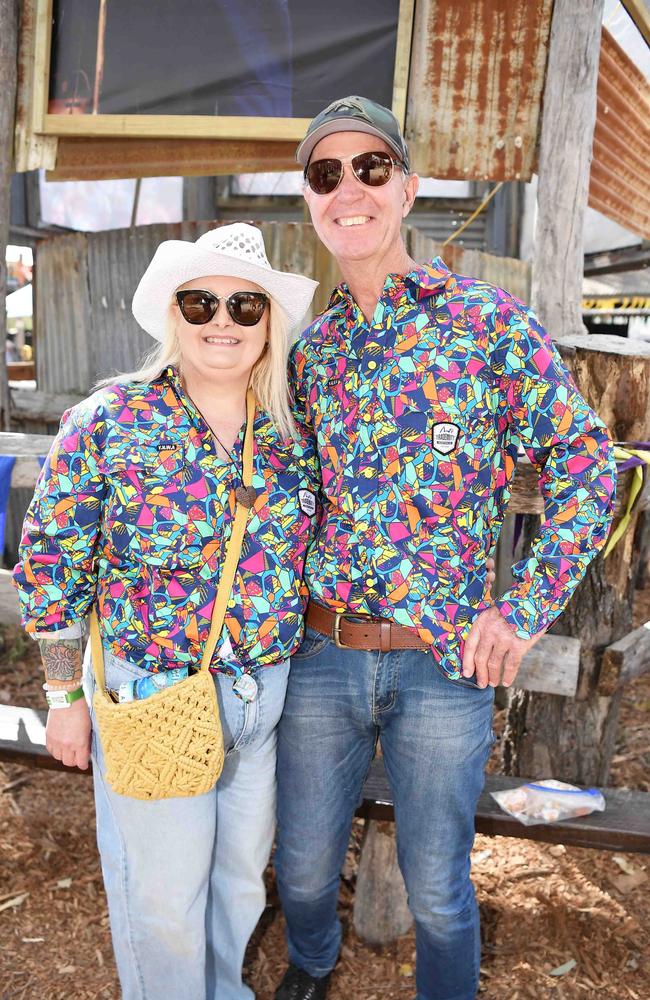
418 416
134 504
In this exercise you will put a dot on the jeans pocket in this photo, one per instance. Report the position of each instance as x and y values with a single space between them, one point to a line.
313 643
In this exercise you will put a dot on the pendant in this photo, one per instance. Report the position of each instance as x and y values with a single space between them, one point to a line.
246 496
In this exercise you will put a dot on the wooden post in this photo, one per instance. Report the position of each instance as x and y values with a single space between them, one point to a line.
8 74
564 159
381 911
573 738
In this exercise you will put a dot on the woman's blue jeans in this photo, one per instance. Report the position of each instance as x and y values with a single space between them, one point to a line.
184 876
436 736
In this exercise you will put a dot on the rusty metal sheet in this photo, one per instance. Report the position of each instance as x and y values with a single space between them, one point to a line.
619 184
475 87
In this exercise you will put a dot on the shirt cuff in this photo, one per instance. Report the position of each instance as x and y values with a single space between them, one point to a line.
74 631
524 621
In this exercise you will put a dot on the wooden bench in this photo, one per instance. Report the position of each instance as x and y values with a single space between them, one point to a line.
624 826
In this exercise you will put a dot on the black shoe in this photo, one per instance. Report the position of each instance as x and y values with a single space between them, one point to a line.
299 985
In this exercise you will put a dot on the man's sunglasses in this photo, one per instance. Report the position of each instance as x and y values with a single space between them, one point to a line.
373 169
198 306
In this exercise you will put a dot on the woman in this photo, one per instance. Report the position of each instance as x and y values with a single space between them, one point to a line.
132 510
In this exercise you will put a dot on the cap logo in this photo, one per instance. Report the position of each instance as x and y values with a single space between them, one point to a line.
350 102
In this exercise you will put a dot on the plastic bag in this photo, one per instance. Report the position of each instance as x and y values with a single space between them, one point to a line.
549 801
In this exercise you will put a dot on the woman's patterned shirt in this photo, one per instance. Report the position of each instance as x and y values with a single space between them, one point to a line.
418 416
134 504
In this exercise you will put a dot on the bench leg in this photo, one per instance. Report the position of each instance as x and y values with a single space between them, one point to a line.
381 912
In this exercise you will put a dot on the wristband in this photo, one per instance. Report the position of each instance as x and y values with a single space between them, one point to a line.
63 699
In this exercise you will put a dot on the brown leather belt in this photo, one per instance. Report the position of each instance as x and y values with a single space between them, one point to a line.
356 632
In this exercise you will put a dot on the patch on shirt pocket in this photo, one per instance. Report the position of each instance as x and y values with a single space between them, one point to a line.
307 502
445 436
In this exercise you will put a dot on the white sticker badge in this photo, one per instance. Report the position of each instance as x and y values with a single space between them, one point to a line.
445 437
307 501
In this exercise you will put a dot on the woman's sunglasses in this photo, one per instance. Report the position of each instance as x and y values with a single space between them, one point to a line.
244 308
373 169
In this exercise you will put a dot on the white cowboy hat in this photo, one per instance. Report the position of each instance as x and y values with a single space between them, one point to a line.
236 250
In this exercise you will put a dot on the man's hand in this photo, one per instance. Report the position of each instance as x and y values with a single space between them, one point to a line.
491 576
67 734
492 648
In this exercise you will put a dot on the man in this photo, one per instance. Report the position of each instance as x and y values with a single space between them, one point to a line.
418 384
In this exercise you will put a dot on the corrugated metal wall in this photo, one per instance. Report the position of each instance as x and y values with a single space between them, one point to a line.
475 87
84 326
619 185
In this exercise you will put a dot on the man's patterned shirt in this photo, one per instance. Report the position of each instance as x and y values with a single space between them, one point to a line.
134 505
418 417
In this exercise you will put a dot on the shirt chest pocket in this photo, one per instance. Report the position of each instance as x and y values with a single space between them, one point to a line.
146 514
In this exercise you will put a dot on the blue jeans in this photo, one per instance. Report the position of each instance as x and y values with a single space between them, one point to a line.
436 736
184 876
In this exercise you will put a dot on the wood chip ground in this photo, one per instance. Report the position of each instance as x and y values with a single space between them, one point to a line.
582 914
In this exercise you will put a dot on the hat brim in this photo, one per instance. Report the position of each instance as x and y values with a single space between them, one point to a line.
306 147
177 261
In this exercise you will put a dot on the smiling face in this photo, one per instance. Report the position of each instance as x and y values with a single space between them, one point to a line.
357 222
220 347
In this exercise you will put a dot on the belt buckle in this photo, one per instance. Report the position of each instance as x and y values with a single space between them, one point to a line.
336 630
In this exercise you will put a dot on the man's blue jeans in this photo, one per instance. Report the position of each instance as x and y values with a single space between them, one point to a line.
436 736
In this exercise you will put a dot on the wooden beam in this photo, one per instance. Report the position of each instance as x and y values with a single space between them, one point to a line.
640 14
8 76
624 660
565 155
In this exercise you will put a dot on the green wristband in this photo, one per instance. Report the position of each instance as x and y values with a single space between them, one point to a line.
63 699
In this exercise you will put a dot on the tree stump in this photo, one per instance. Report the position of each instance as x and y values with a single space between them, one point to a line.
379 881
573 738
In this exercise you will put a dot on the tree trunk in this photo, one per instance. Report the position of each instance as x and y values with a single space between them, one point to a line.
8 73
566 738
565 155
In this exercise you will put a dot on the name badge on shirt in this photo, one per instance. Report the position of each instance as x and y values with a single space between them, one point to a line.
307 502
445 437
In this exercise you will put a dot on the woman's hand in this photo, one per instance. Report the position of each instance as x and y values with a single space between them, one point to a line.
67 734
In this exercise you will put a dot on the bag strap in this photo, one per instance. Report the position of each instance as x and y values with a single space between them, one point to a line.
230 563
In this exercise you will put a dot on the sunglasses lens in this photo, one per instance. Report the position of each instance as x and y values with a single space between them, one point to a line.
373 169
324 175
247 308
197 307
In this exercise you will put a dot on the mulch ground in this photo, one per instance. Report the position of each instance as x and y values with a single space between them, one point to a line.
557 922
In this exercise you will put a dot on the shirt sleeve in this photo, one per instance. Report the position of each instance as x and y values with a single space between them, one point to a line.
572 453
56 574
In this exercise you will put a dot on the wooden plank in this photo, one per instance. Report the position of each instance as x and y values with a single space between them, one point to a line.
22 739
624 660
552 666
623 826
564 158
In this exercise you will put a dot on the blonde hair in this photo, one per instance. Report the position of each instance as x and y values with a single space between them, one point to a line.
268 377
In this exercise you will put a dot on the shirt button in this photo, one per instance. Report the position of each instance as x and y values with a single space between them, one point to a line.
372 365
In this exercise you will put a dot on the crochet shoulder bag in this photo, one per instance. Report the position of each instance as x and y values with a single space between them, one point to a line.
170 744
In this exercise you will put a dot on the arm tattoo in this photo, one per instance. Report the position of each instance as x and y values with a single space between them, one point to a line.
61 659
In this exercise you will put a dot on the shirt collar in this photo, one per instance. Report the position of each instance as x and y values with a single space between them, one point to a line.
427 279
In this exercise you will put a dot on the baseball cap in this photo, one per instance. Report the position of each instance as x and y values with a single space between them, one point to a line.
354 114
